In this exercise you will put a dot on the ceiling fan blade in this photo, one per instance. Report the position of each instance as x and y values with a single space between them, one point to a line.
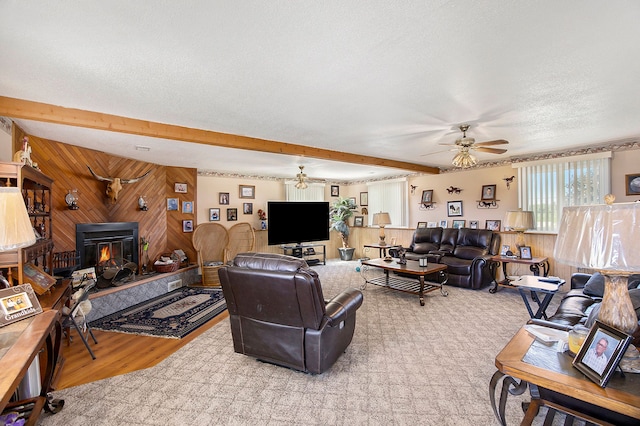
490 150
489 143
438 152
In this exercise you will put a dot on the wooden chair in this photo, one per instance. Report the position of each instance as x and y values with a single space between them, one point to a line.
242 239
210 241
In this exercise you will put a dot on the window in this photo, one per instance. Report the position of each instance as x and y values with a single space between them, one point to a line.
391 197
546 186
314 192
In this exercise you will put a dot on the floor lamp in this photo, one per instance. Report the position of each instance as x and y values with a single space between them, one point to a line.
605 238
381 219
16 230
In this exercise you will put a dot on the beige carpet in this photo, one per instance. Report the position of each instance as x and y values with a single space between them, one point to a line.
407 365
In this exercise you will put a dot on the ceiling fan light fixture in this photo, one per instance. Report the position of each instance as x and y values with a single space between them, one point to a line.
301 184
464 160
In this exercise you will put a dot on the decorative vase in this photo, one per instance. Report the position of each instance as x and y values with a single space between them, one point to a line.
616 309
263 224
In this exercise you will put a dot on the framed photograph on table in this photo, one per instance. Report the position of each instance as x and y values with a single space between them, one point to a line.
422 225
37 277
601 352
473 224
454 208
17 303
457 224
493 225
525 253
432 224
443 224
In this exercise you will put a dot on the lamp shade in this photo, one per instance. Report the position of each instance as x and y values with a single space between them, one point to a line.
16 230
601 237
381 219
518 220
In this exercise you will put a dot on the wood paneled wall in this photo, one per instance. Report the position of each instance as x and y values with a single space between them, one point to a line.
67 166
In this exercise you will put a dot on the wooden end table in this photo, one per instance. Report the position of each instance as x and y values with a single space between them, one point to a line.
402 282
555 383
534 263
383 249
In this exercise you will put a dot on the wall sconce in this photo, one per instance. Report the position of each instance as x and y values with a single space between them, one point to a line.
72 199
142 204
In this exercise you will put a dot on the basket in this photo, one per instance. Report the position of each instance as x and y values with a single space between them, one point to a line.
171 267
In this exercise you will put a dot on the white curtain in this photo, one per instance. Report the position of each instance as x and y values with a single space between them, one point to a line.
314 192
391 197
546 186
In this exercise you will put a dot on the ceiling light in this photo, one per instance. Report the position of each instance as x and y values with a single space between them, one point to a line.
301 184
143 148
463 159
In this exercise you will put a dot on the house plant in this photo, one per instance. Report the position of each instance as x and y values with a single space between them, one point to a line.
341 211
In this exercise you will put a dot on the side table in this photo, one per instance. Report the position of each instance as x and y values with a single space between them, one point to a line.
534 265
383 249
535 285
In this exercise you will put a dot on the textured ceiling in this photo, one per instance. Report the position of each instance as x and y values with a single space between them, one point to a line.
390 79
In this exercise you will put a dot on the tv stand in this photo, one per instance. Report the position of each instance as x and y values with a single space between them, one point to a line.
308 252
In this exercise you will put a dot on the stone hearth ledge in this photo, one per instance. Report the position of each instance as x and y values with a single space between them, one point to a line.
114 299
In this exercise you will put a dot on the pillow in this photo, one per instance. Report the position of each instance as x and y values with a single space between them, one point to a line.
634 281
595 285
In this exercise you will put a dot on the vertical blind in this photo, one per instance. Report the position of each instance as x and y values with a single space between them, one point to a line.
314 192
391 197
546 186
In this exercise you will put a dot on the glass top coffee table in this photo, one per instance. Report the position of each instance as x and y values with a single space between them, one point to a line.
409 278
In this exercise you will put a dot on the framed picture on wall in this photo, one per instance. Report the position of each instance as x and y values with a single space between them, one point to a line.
214 215
180 188
247 191
187 226
358 220
488 192
223 198
454 208
335 191
172 204
232 214
247 208
473 224
632 184
442 224
364 199
187 207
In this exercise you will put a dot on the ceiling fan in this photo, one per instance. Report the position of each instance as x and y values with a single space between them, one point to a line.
465 144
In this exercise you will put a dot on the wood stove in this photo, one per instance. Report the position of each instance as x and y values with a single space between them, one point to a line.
103 245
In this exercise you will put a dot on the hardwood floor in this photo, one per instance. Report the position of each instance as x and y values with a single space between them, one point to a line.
118 353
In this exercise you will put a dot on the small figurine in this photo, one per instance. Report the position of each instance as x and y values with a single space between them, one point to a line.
24 155
142 204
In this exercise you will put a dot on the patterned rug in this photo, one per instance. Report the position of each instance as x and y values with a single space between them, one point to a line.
172 315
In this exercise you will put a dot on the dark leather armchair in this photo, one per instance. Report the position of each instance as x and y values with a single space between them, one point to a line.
468 266
278 314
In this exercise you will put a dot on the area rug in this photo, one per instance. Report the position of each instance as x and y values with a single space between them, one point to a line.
172 315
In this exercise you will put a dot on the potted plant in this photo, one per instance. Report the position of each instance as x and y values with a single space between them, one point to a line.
340 212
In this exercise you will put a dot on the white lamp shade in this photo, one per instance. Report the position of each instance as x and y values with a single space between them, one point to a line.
518 220
16 230
381 219
601 237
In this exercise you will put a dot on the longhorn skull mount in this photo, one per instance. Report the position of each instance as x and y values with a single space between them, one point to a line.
115 184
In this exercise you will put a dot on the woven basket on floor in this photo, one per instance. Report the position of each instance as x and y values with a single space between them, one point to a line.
171 267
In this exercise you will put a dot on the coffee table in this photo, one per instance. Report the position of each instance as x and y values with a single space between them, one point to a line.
412 278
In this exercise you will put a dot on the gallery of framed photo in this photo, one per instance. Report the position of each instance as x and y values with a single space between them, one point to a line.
223 198
187 207
457 224
493 225
364 199
247 191
525 253
335 191
180 188
427 196
232 214
601 352
187 226
17 303
454 208
632 184
358 221
488 192
214 215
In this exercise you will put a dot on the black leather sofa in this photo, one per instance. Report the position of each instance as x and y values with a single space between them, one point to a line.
465 251
278 314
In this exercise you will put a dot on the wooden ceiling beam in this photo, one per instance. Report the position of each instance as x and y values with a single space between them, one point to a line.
37 111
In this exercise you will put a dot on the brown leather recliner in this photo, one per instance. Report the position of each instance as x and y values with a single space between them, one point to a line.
278 313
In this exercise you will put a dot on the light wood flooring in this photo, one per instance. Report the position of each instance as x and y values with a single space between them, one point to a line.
118 353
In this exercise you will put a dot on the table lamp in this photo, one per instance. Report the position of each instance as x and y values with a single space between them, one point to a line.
605 238
16 230
381 219
519 221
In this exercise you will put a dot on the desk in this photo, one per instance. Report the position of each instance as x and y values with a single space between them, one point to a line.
383 249
534 266
554 382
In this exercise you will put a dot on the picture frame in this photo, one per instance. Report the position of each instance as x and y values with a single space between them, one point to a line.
432 224
214 214
632 184
473 224
180 188
232 214
443 224
17 303
247 191
587 360
358 221
364 199
454 208
427 196
247 208
493 225
458 223
187 207
421 225
505 249
172 204
223 198
40 281
187 225
525 253
335 191
488 192
352 203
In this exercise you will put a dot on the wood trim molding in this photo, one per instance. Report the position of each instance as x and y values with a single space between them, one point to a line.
37 111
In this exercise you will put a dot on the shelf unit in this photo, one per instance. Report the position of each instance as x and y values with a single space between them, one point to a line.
307 252
36 190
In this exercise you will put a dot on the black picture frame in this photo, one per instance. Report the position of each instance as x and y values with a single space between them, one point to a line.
335 191
586 359
454 208
427 196
421 225
632 184
525 253
223 198
488 192
364 199
247 208
358 221
232 214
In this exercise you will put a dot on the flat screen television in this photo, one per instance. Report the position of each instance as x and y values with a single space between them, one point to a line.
297 222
